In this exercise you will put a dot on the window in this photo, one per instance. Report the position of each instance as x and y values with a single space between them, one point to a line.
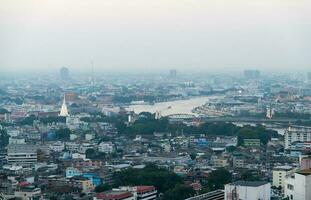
290 187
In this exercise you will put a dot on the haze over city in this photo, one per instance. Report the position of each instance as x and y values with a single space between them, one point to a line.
153 36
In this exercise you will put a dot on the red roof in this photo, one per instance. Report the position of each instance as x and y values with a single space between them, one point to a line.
113 195
196 186
145 188
23 184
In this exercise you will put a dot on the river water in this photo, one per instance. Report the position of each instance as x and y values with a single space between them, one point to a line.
172 107
183 107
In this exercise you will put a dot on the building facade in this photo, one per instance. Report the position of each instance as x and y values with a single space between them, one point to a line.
301 134
248 190
298 186
22 154
279 175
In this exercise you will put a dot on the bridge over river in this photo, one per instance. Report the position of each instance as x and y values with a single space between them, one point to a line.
187 117
252 120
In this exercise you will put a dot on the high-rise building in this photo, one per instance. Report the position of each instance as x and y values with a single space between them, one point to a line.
309 77
64 73
279 174
297 186
297 134
173 73
251 74
22 154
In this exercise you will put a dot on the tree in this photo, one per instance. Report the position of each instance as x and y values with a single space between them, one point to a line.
121 127
218 178
3 111
161 178
249 176
257 132
28 120
220 128
231 149
63 134
4 139
90 153
103 188
193 156
53 119
179 192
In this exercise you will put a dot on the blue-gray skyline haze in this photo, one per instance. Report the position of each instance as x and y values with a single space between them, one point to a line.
155 36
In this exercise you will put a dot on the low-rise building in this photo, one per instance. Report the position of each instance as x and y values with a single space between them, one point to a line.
114 195
145 192
220 162
129 193
305 162
238 162
28 193
71 172
57 146
72 146
106 147
251 142
17 140
81 182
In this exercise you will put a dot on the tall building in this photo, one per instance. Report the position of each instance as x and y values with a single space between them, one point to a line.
64 73
305 162
251 74
298 186
173 73
64 110
279 175
297 134
309 77
248 190
22 154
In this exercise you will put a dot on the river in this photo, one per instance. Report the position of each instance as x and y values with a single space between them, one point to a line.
172 107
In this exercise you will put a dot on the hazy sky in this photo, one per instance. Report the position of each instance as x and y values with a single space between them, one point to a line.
154 35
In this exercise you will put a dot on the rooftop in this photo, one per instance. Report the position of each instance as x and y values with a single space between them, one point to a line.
144 189
113 195
249 183
285 168
306 172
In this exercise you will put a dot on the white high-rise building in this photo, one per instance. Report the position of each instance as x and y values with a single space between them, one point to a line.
298 186
296 134
64 110
279 175
22 154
